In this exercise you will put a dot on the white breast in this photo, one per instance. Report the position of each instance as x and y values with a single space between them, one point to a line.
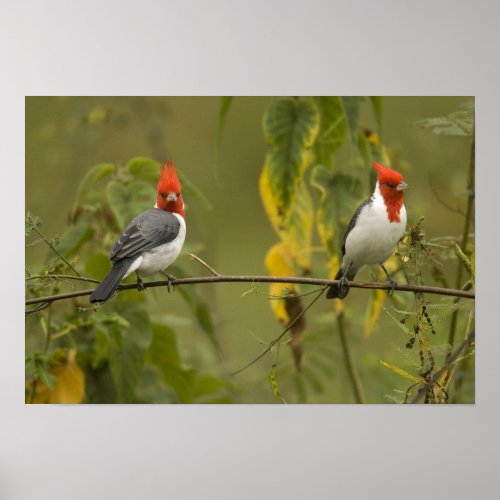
374 237
159 258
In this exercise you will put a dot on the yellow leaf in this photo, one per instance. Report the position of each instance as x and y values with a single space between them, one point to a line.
69 386
278 263
294 228
375 304
290 128
403 373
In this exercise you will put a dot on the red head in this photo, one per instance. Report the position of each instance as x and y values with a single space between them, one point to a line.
392 187
169 190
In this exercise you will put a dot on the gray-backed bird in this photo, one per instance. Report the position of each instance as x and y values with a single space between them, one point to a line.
152 241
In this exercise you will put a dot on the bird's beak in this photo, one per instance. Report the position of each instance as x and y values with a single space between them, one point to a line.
402 186
171 197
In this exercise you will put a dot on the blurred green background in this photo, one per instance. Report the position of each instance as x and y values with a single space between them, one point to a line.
65 136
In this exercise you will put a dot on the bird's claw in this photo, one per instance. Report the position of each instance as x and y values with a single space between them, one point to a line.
140 285
343 286
170 285
392 289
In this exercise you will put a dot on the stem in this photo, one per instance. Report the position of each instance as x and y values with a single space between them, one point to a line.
353 376
267 279
48 335
55 250
280 336
460 368
465 234
60 276
452 359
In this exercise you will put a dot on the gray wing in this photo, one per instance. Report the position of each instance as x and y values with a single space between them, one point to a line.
151 228
351 225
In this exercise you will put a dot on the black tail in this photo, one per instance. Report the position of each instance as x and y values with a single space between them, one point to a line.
112 281
335 292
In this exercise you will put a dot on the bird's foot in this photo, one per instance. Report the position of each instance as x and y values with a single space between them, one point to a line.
170 285
392 288
343 286
140 285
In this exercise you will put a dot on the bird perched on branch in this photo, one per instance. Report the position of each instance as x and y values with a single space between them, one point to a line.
374 231
152 241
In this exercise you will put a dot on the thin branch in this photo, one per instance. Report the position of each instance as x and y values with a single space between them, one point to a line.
277 339
60 276
40 307
451 359
267 279
203 263
349 364
54 249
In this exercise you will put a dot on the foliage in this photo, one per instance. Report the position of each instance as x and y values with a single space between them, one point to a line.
316 171
305 134
101 354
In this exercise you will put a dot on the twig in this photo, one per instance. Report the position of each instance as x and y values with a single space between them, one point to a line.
451 359
202 262
53 248
353 376
60 276
40 307
267 279
277 339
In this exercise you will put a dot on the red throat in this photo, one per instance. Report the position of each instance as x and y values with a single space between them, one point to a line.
167 185
388 180
393 203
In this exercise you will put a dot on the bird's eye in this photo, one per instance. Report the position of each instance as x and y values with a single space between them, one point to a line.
163 195
390 184
178 194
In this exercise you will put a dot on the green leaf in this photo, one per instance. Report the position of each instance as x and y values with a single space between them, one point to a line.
333 128
128 346
225 104
350 105
144 168
127 201
296 230
87 192
445 126
163 353
339 196
42 373
458 123
290 128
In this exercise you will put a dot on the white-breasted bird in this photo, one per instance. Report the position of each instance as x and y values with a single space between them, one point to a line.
374 231
152 241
